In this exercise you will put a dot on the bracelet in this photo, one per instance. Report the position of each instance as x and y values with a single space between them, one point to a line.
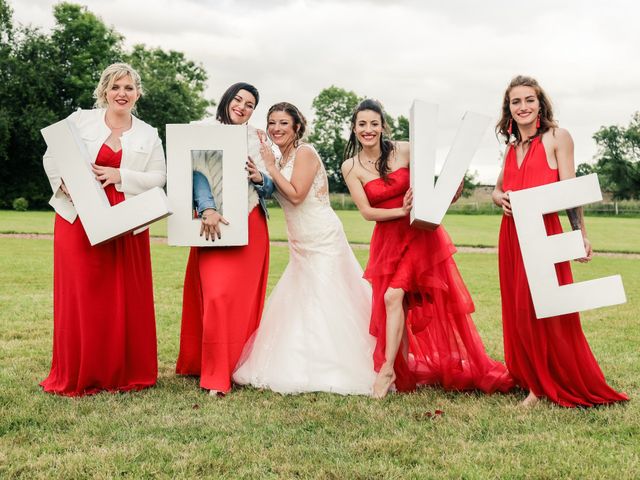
204 217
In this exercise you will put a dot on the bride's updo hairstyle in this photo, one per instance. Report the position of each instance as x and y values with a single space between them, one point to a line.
386 145
299 122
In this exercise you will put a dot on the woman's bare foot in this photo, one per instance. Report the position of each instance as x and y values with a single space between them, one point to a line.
530 401
386 376
216 393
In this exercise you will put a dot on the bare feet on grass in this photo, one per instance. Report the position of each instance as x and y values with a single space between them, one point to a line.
530 401
384 380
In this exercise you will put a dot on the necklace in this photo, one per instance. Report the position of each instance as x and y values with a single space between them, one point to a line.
284 159
106 120
370 163
525 144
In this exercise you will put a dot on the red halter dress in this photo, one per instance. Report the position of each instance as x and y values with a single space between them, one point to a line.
550 356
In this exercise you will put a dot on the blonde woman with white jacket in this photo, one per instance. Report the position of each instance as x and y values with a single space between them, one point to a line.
104 321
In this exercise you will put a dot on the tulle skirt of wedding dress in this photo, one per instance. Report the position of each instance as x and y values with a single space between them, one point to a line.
314 332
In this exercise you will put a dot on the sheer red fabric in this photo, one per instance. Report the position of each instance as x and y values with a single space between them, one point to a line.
223 298
104 330
444 346
550 356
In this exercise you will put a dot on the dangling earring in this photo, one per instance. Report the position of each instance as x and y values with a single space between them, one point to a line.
538 122
512 137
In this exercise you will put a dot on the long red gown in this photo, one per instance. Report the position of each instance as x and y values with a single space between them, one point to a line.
550 356
104 328
444 346
223 298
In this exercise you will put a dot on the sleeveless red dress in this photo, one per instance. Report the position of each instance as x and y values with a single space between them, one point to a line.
549 356
104 329
444 345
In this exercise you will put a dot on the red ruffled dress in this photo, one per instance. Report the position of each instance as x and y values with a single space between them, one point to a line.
104 328
444 346
550 356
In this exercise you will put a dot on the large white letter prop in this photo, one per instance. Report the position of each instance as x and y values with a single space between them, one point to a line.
540 252
182 140
430 202
101 221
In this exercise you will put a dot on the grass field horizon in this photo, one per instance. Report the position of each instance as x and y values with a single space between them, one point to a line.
175 430
607 234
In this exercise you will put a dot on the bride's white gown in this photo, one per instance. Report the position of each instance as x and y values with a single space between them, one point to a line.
314 332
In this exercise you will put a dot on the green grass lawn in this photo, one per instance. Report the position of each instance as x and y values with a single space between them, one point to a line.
607 234
176 430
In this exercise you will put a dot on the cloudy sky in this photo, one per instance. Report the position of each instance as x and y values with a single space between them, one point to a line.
458 54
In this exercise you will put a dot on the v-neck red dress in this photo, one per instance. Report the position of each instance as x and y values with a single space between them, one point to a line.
104 329
550 356
444 346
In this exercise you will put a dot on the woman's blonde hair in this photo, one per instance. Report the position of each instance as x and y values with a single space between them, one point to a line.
110 75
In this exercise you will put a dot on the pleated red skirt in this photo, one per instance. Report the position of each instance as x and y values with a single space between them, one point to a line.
224 291
104 330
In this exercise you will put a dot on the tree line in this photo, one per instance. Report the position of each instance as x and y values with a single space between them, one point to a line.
46 76
618 159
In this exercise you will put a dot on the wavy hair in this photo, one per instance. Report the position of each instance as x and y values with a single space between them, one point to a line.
547 121
354 147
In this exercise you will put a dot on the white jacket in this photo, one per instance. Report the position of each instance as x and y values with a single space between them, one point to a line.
142 167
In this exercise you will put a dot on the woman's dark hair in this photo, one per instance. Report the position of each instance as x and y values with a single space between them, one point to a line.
299 122
547 121
222 113
386 145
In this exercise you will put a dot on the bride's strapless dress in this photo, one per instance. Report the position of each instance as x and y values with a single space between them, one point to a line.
314 332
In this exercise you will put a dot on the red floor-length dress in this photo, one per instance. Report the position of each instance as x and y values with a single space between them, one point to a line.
104 328
224 290
550 356
444 346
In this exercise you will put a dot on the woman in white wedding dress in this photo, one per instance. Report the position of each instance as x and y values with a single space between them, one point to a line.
314 332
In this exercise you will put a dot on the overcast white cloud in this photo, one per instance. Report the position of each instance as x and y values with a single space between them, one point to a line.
459 54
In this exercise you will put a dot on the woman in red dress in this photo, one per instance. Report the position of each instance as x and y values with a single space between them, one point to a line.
104 331
224 287
549 357
421 307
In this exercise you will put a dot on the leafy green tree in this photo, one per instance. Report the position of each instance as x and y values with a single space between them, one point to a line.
44 78
470 183
174 87
85 47
6 26
400 128
618 165
333 108
29 104
6 47
585 169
